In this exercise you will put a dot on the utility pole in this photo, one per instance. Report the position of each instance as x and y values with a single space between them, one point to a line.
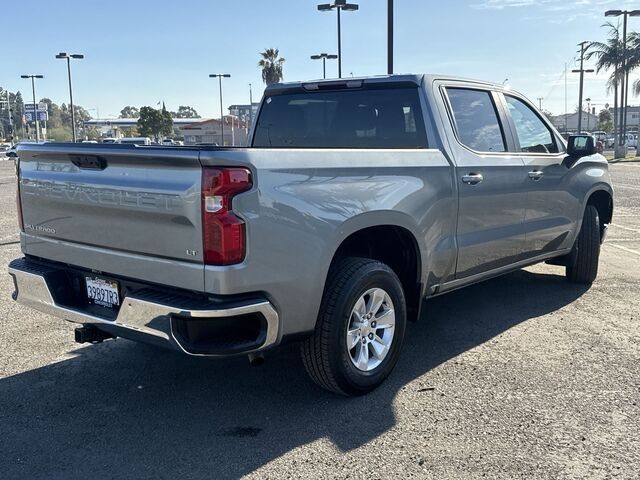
540 103
582 71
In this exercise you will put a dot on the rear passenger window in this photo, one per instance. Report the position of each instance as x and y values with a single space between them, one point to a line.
476 120
533 134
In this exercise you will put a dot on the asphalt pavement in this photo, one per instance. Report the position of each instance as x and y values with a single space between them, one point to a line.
525 376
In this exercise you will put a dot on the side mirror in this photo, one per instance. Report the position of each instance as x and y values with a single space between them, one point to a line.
12 154
581 146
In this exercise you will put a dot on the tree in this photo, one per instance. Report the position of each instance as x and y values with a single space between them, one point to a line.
271 65
605 120
166 126
55 116
185 111
17 112
130 112
547 114
608 56
153 123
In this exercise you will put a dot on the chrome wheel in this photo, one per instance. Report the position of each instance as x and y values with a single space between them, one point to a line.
370 329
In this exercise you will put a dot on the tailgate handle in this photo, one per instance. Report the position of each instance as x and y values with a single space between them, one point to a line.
90 162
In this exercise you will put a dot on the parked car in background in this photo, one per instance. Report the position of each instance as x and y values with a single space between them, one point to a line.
109 140
610 141
134 141
4 147
600 136
357 199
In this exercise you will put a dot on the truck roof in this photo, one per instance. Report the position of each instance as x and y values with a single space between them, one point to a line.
417 78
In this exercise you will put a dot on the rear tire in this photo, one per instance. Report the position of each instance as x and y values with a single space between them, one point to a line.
360 328
582 265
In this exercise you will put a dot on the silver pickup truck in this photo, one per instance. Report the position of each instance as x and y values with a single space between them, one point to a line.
356 200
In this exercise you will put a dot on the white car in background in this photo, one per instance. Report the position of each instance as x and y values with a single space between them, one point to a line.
134 141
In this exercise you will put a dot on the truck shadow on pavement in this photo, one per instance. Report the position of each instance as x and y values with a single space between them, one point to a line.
123 410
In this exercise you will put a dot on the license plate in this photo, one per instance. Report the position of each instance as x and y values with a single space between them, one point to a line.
102 292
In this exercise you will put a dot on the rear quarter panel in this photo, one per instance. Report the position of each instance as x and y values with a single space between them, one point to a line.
306 202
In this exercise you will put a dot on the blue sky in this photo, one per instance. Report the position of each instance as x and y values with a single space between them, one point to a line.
141 51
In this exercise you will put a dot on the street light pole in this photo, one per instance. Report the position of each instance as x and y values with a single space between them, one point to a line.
624 87
35 105
339 5
324 57
220 76
68 57
582 71
390 37
250 107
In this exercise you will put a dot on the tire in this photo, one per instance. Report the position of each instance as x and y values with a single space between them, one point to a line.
582 266
356 284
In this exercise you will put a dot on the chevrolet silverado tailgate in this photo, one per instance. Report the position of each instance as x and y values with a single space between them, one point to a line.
114 208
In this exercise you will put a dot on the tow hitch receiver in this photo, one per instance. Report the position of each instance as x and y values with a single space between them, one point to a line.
89 334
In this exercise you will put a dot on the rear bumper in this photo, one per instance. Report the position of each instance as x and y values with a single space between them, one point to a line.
203 327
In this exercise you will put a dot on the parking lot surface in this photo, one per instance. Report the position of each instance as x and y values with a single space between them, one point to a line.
525 376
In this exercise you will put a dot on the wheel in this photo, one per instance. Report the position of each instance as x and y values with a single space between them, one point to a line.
582 265
360 328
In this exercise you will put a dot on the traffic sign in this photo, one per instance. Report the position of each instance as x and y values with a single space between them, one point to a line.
28 107
42 116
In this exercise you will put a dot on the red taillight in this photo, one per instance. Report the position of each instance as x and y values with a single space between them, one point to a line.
223 233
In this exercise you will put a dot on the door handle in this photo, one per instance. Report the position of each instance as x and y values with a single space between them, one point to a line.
472 178
536 174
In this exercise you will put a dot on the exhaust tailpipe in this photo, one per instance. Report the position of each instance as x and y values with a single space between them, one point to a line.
256 359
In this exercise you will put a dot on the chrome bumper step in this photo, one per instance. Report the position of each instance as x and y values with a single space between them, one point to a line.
147 315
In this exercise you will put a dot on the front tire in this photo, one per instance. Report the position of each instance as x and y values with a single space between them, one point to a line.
360 328
582 266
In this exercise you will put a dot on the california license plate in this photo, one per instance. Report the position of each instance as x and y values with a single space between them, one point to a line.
102 292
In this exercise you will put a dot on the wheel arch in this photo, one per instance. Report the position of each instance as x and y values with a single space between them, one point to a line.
602 200
394 245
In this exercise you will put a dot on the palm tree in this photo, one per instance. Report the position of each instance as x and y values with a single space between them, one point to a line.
608 56
633 58
271 65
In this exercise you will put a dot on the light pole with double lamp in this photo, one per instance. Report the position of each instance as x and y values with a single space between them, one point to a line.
621 149
35 105
68 57
324 57
339 5
220 76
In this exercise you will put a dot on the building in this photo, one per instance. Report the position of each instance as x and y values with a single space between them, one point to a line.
120 127
210 131
569 122
193 130
633 117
